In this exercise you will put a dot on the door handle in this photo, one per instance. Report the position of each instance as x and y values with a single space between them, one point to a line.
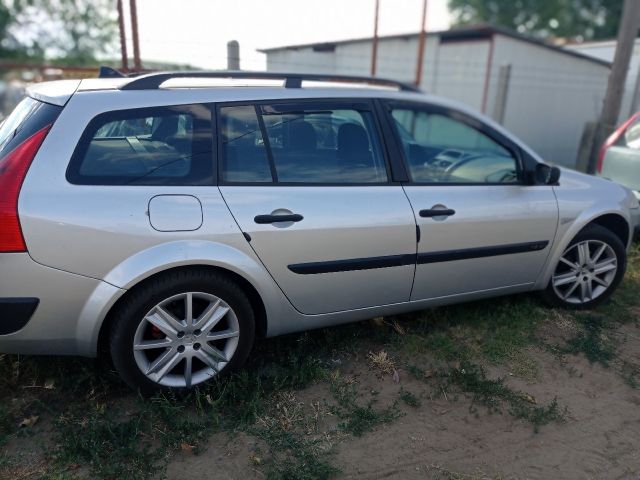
264 219
437 212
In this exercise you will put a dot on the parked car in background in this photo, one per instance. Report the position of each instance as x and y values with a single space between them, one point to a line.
169 226
619 156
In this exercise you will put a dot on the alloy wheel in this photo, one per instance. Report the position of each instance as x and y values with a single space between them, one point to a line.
186 339
585 271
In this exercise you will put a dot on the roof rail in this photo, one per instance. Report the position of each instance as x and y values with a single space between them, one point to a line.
153 81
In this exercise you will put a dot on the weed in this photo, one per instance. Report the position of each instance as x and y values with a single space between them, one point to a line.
5 424
112 449
494 393
358 419
409 398
381 362
293 453
591 340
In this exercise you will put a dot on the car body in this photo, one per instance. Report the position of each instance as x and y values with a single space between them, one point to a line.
347 250
619 157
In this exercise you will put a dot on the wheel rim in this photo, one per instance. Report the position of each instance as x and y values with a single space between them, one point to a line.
585 271
186 339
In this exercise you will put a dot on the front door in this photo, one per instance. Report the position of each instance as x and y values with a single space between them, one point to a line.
481 227
309 186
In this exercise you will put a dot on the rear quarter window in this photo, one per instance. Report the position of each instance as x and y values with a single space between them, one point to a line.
148 146
27 118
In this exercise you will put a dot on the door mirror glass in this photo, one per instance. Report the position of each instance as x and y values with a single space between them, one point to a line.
546 174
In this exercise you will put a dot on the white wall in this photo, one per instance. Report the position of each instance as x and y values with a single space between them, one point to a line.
606 51
460 71
550 97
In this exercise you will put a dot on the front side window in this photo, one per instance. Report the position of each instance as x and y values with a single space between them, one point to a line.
441 149
149 146
309 144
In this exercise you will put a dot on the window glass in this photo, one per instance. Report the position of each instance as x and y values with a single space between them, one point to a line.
332 145
632 135
157 146
17 118
440 149
244 155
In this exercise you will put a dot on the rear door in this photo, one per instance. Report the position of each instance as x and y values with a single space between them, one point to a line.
482 228
308 184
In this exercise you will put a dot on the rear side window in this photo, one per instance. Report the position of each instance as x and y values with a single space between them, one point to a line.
27 118
147 146
301 144
244 152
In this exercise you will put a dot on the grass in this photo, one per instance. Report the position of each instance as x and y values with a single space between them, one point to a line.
359 417
493 393
92 426
97 439
296 450
410 398
591 339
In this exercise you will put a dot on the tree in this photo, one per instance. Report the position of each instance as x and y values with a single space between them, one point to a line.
571 19
67 31
10 47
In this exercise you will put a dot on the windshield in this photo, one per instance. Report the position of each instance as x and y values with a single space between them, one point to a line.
12 124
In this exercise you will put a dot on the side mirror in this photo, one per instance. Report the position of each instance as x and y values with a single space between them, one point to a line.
546 175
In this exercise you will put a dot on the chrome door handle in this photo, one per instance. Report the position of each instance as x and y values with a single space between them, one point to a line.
437 212
263 219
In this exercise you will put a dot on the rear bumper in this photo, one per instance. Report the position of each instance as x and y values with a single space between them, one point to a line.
48 311
15 313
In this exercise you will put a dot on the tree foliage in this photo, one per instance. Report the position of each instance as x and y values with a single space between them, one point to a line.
65 31
572 19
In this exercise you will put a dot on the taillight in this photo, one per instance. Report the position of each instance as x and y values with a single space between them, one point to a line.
13 168
613 138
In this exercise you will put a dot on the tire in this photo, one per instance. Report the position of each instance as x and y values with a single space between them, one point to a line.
154 318
613 257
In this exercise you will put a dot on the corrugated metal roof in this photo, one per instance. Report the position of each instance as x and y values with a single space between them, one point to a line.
460 34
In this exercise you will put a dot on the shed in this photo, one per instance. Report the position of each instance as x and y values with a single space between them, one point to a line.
543 93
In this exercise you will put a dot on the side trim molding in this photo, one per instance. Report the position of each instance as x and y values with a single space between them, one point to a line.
351 264
370 263
467 253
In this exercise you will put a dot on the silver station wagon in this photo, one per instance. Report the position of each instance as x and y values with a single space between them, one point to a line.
171 218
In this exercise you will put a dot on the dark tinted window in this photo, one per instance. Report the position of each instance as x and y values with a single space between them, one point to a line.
244 156
150 146
441 149
27 118
306 144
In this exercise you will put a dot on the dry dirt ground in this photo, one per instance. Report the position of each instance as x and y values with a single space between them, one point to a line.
498 389
449 437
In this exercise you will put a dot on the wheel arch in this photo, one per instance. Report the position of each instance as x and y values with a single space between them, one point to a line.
247 287
611 220
615 223
233 261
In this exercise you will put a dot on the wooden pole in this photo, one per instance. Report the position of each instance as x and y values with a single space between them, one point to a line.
421 44
137 63
123 38
374 50
628 30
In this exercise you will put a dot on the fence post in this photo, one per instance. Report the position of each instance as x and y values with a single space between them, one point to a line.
233 55
502 91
